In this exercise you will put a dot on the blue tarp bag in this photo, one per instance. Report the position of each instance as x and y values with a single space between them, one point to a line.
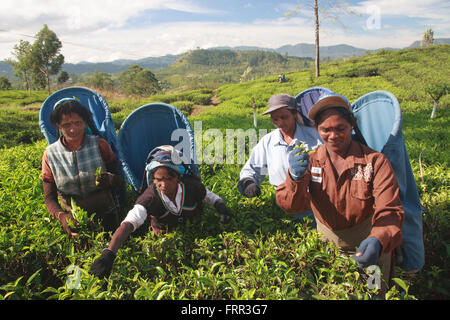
379 119
148 127
102 122
306 99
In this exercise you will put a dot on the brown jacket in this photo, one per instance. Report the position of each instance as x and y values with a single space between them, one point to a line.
366 187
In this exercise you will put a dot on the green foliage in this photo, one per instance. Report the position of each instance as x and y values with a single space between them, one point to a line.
63 77
138 81
263 253
4 83
436 91
20 97
23 65
101 80
184 106
213 68
46 59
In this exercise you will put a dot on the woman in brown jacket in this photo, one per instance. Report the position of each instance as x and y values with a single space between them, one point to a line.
351 188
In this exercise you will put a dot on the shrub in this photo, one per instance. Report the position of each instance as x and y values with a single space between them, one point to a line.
185 106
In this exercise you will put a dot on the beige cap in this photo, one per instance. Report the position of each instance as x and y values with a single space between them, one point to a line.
328 101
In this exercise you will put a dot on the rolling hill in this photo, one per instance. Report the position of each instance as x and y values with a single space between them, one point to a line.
211 68
157 63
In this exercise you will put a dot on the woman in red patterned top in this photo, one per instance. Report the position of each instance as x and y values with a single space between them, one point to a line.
69 169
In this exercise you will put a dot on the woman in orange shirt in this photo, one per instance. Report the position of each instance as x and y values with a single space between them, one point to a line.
351 188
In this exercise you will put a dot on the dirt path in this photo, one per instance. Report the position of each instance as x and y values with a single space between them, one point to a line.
199 109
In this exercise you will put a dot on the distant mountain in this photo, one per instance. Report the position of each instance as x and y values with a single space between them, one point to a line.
117 66
303 50
416 44
5 69
332 52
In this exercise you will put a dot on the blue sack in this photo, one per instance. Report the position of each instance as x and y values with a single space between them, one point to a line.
306 99
102 121
148 127
379 119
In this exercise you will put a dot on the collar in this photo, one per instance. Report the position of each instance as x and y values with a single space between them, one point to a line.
278 137
179 199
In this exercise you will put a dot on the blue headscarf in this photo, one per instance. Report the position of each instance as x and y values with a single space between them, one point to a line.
164 156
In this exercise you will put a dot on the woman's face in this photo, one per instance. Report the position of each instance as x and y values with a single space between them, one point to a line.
165 183
72 127
335 131
284 120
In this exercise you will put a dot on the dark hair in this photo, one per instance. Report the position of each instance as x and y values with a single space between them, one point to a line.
347 115
293 111
68 107
170 171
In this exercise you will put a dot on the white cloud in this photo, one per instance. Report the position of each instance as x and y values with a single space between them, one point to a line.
176 38
88 23
395 38
66 15
430 9
98 30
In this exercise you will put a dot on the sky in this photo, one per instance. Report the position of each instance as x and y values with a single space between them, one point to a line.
107 30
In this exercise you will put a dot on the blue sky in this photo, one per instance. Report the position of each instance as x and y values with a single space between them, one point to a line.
105 30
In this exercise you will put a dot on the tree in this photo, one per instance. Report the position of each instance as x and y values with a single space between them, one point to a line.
45 55
4 83
101 80
139 81
436 92
427 39
327 9
23 66
63 77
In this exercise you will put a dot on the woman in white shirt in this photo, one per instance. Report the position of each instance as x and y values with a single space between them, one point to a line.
270 155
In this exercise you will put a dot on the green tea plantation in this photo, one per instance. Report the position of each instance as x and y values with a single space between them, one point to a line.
263 253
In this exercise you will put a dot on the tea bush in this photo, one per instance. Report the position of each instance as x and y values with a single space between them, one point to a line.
184 106
263 253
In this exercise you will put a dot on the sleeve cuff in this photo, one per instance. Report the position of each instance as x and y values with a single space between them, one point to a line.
136 216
